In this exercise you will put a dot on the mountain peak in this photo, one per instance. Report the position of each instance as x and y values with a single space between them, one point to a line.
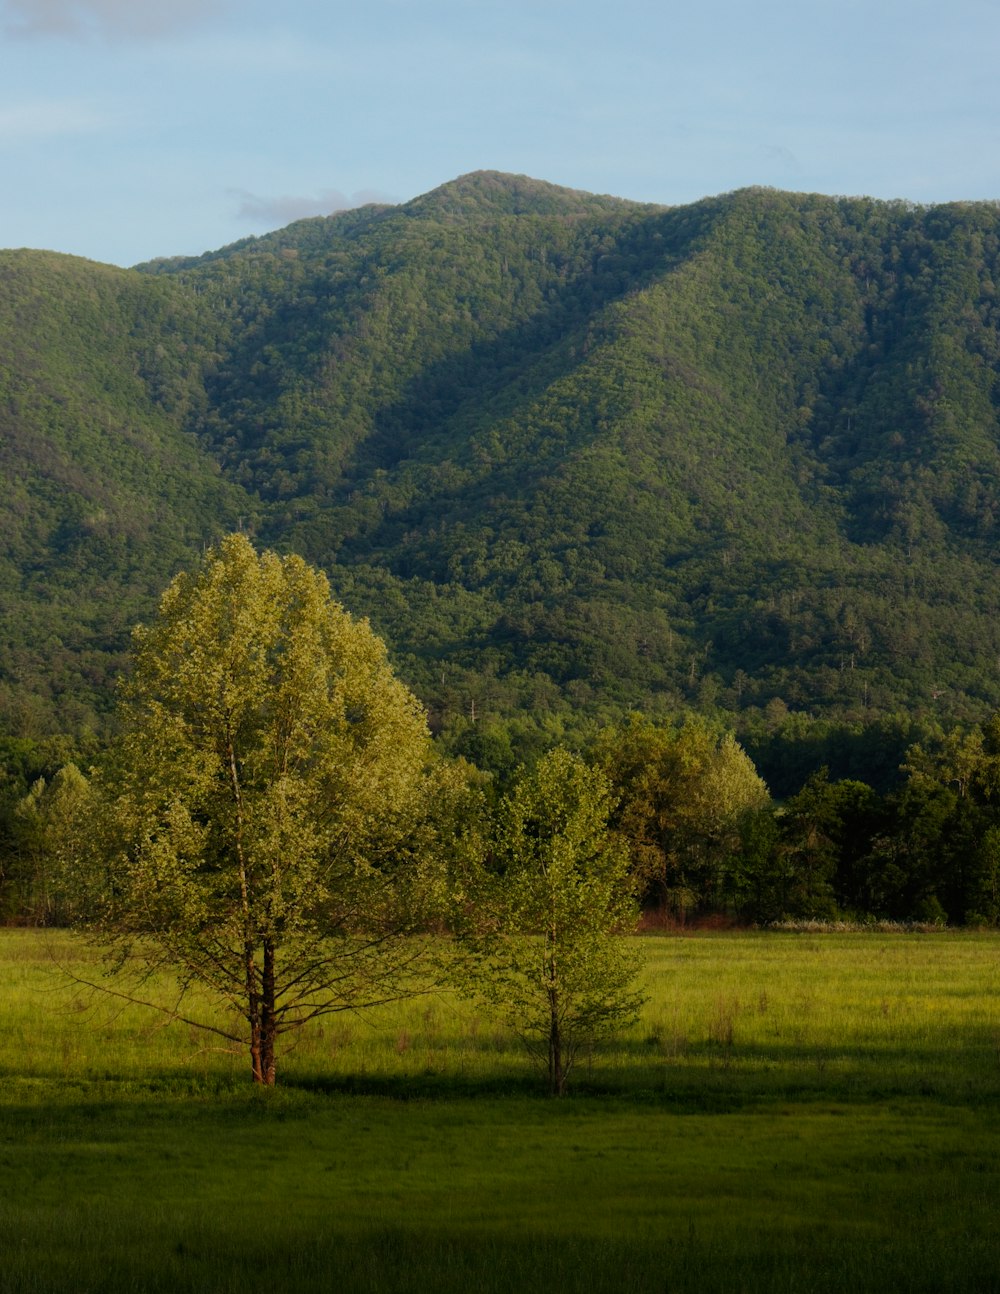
498 193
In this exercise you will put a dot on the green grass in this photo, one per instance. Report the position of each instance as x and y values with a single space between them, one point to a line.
792 1113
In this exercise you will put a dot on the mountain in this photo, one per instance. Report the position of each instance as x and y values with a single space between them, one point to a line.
571 454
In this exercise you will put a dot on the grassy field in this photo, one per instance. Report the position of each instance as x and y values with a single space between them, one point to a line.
794 1113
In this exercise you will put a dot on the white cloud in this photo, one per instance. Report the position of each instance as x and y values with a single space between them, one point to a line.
40 118
283 209
134 18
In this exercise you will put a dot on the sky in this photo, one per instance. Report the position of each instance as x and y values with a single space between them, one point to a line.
131 129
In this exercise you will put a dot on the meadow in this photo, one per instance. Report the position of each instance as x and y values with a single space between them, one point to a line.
794 1112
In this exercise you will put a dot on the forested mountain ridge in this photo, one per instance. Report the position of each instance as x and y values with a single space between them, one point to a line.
571 454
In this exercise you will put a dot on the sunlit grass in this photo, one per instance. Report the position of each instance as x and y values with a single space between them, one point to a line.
792 1112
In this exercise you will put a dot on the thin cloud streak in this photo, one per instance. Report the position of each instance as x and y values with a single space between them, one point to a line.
142 19
283 209
42 118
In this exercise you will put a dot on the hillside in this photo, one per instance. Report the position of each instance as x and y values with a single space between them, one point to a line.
571 454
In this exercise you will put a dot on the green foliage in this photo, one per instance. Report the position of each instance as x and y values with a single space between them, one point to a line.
547 925
927 851
811 829
945 837
54 822
573 456
24 765
262 803
684 795
760 877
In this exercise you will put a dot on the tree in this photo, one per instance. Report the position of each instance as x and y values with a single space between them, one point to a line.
811 831
948 820
266 801
760 877
53 827
684 793
549 951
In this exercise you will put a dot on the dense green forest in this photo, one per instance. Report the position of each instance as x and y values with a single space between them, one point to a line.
574 456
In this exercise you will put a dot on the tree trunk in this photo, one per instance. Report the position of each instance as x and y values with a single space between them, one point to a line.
268 1020
263 1023
557 1071
253 1014
255 1068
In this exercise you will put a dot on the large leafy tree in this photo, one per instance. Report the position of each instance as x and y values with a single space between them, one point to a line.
684 797
268 836
551 914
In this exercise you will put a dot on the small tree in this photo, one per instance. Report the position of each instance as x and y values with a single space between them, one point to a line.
263 802
549 954
53 825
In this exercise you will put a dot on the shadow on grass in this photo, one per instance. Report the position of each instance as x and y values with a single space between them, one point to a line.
225 1255
710 1074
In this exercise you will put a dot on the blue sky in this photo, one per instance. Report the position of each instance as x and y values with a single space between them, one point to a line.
139 128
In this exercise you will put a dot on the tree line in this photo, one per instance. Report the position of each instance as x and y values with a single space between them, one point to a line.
274 822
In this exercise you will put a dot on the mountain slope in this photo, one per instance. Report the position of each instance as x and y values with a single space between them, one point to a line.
571 454
104 494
